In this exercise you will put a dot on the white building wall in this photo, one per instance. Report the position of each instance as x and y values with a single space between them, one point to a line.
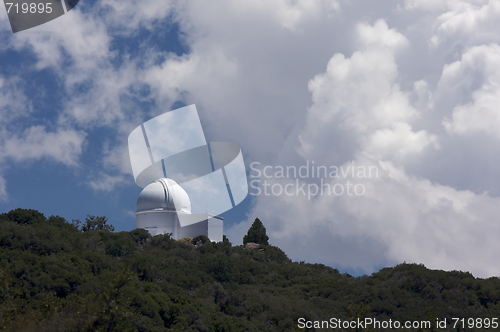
162 222
215 229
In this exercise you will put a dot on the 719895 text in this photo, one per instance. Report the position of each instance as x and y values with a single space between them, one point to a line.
335 323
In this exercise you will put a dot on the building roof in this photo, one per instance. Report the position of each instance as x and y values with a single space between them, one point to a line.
164 195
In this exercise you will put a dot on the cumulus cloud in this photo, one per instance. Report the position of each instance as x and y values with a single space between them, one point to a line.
360 98
399 218
62 145
105 87
478 71
467 22
231 71
360 117
398 142
414 100
100 88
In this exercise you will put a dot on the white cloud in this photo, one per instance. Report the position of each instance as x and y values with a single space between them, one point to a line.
84 46
359 97
469 23
438 5
3 189
100 93
361 114
232 72
106 182
399 218
62 145
97 91
381 101
478 72
398 142
189 73
459 23
13 101
379 36
291 15
420 221
18 144
130 15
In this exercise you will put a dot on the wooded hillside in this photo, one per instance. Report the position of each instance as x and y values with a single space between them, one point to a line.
60 276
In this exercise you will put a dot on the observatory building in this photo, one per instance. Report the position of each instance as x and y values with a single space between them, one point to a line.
164 206
184 177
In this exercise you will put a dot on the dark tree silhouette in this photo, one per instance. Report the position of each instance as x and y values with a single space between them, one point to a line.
256 233
93 223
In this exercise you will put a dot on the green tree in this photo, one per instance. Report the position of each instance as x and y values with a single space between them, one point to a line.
202 239
93 223
23 216
256 233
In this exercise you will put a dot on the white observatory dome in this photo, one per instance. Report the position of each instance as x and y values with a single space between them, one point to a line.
164 195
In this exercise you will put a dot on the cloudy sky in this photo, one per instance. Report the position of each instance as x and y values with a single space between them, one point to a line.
409 88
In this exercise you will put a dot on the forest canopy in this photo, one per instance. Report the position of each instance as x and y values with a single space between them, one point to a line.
82 276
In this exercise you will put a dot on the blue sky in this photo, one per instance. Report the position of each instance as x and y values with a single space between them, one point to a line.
410 88
44 184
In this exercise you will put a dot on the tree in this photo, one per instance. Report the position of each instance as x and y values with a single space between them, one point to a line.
256 233
200 238
23 216
93 223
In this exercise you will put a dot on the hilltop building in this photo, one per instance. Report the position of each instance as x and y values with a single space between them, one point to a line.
164 206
